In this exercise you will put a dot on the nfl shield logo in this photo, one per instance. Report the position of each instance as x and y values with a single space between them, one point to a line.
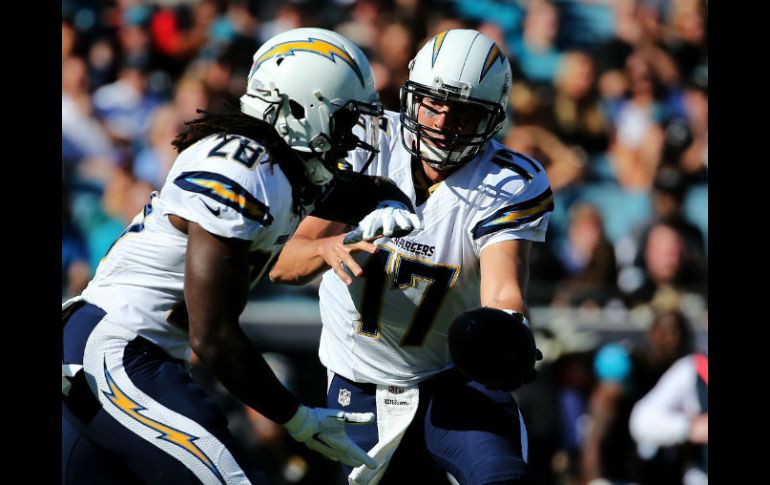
344 397
396 389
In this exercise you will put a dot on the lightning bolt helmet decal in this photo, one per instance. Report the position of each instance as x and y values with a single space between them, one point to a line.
314 46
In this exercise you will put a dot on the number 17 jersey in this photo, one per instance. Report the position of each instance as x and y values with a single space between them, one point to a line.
390 325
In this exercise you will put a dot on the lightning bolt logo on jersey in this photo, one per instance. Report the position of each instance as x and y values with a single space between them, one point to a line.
395 318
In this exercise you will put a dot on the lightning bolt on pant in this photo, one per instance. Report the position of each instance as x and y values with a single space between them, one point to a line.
133 414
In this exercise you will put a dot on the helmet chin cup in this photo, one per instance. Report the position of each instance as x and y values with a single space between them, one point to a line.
441 159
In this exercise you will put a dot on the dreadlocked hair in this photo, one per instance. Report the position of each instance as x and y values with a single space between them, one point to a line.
233 122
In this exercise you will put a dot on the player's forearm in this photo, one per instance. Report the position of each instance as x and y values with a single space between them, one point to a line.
243 371
505 295
301 260
216 290
504 275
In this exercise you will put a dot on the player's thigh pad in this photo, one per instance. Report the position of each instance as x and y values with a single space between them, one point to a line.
150 404
476 434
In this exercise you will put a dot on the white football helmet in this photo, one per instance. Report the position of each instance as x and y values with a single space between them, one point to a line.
467 70
312 84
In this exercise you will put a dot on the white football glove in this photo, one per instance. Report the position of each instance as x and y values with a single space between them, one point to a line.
390 218
323 430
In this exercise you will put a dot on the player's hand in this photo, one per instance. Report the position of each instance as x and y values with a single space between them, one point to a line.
339 257
391 218
494 347
323 430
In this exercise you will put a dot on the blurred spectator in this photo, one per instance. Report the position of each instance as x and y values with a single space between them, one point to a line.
126 104
75 272
637 135
668 191
179 31
153 162
290 15
190 95
74 84
668 277
626 371
82 134
585 24
674 416
693 160
589 260
668 194
156 154
102 63
123 198
577 113
362 25
441 21
68 39
133 32
396 47
509 16
535 51
686 34
556 403
564 165
217 73
612 54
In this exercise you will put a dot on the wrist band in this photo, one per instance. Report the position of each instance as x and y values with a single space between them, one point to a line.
511 312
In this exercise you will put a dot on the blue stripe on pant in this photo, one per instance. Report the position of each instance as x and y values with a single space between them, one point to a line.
91 434
460 427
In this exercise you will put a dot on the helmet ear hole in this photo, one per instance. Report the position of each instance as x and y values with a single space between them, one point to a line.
297 110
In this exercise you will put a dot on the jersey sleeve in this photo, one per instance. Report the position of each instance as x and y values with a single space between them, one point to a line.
514 202
219 195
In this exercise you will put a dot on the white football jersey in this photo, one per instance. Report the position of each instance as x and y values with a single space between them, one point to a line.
390 325
227 187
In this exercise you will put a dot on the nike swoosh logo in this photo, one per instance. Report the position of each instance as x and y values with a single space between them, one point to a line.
215 212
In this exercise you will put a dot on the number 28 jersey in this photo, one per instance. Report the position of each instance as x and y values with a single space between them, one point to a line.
225 186
390 325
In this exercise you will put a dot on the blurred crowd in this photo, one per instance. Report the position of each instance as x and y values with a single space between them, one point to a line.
610 95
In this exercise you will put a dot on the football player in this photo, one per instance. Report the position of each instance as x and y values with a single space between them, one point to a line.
177 280
387 307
